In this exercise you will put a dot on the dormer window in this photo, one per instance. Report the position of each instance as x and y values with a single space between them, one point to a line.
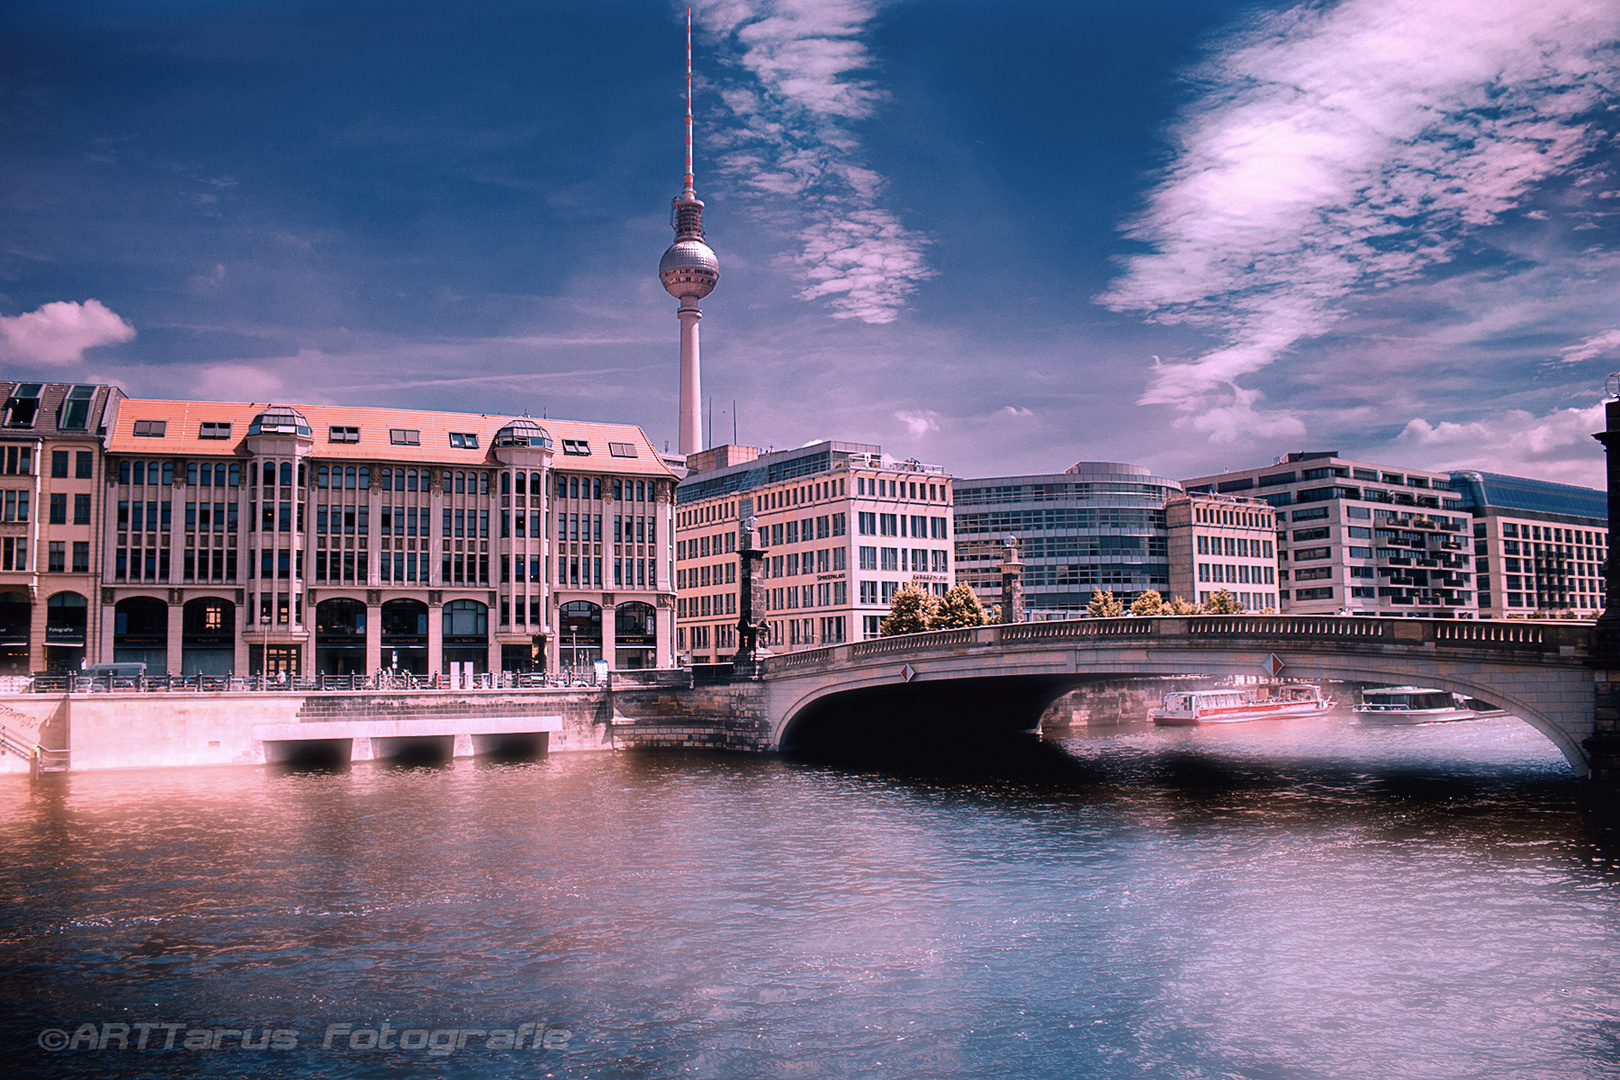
209 429
405 436
22 405
76 409
464 440
151 429
622 449
342 434
581 447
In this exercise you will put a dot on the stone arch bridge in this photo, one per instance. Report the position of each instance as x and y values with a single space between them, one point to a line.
1007 675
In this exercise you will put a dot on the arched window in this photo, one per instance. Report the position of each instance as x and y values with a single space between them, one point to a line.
349 478
506 483
321 474
269 474
286 474
365 478
410 479
466 619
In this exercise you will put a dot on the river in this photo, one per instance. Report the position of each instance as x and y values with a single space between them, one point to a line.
1290 899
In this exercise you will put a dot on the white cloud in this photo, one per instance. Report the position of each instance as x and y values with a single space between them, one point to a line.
1336 150
1597 345
60 332
792 144
919 423
1017 410
1558 446
256 382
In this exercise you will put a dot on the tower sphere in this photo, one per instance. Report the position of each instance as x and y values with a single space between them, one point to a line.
689 268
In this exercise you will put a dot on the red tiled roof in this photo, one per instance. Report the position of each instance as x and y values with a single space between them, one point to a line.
183 420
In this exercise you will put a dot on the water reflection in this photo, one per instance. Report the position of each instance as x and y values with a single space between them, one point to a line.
1291 899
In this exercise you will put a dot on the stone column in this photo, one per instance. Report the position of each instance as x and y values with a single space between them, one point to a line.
177 613
373 631
435 631
1602 790
609 637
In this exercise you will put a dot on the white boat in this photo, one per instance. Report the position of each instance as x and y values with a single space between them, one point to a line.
1234 704
1418 705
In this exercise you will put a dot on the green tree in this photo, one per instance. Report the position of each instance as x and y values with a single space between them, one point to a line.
1222 602
960 608
1149 604
1104 606
1178 606
912 610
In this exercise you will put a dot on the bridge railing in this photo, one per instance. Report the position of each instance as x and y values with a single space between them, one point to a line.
1567 639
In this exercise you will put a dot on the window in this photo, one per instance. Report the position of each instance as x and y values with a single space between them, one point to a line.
580 447
22 405
151 429
464 440
405 436
210 429
1314 594
81 556
58 509
81 509
59 463
83 464
341 434
622 449
75 414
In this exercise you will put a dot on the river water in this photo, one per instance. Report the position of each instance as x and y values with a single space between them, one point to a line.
1290 899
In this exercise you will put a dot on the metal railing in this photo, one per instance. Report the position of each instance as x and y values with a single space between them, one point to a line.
382 681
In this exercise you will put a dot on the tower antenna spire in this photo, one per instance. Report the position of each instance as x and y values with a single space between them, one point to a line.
690 191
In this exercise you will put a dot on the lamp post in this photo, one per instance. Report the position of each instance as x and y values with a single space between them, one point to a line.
751 598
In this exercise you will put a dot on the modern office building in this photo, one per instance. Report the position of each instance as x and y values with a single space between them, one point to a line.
51 440
1538 546
1098 526
843 526
246 538
1223 542
1361 538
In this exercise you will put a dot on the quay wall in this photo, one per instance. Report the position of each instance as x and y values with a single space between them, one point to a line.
160 730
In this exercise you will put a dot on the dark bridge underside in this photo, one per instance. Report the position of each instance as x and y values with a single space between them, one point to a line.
882 719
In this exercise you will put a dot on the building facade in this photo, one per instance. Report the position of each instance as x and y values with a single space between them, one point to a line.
1539 547
1358 538
248 538
1223 542
51 440
1099 526
843 527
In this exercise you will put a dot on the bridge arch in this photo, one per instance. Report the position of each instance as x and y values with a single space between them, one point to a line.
1537 672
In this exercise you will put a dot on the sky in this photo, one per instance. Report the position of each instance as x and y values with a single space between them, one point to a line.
1001 238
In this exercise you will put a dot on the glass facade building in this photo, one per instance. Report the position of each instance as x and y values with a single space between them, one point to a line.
1538 546
1098 526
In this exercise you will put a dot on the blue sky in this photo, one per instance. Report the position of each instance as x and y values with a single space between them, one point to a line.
999 237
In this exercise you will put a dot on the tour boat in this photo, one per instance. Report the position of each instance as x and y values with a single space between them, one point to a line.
1418 705
1232 704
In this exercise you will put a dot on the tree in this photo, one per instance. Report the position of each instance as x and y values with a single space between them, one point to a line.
1104 606
912 610
1149 604
1222 602
960 608
1178 606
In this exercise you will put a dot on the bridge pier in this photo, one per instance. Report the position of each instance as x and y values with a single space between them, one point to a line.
1601 791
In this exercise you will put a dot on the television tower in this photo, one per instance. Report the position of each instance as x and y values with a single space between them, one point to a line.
689 272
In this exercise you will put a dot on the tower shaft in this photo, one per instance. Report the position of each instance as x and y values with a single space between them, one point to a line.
691 416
